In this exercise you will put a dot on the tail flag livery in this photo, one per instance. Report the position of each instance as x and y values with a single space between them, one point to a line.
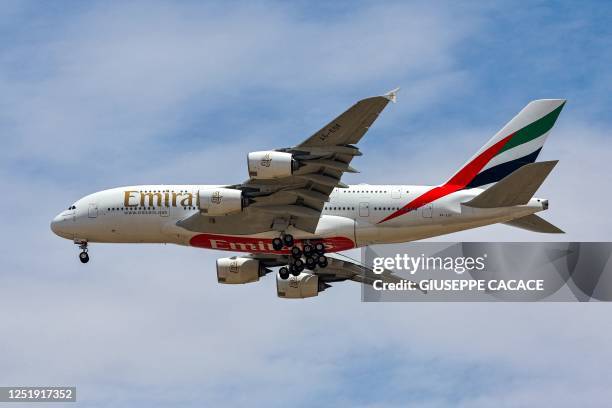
515 145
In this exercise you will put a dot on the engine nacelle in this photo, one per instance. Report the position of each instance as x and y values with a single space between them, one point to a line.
220 201
237 270
297 287
270 164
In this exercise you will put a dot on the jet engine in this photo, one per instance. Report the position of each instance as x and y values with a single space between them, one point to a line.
221 201
271 164
299 287
237 270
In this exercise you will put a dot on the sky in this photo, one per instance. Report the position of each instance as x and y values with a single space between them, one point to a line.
103 94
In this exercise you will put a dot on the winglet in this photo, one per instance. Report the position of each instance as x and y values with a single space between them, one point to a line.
392 95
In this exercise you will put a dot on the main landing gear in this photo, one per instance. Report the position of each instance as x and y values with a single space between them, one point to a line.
308 257
83 256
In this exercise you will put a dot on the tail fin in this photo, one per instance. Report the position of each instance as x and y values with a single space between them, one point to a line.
515 145
515 189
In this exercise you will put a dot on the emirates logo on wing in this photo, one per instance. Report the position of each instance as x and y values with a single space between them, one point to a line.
266 161
216 197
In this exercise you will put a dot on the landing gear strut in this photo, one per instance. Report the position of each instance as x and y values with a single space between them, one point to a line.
83 256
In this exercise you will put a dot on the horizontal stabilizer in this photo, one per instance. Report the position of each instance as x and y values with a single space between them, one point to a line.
536 224
516 188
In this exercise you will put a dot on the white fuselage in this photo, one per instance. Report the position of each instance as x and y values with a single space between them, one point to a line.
350 219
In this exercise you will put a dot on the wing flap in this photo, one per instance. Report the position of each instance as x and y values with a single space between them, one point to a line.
295 210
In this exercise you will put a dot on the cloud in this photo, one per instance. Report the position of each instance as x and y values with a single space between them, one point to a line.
119 76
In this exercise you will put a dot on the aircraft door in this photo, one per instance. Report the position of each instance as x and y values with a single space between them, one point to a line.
427 211
364 209
93 210
396 193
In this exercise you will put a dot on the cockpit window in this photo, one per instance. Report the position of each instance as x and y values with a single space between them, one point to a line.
72 207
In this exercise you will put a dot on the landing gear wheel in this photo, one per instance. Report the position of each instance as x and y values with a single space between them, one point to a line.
84 257
320 248
277 244
288 240
322 261
308 250
296 252
284 273
311 263
297 267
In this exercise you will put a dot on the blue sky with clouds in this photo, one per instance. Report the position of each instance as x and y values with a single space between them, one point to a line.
101 94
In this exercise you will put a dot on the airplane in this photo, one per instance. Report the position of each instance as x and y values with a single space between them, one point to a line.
294 212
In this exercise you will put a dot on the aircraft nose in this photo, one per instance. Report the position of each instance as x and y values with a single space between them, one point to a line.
56 224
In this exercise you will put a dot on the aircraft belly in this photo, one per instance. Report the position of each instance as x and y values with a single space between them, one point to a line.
337 233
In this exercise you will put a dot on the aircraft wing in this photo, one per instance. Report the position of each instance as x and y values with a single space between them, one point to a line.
323 158
349 127
343 268
299 199
340 268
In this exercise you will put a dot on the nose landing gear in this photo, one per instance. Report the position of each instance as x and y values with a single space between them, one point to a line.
83 256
